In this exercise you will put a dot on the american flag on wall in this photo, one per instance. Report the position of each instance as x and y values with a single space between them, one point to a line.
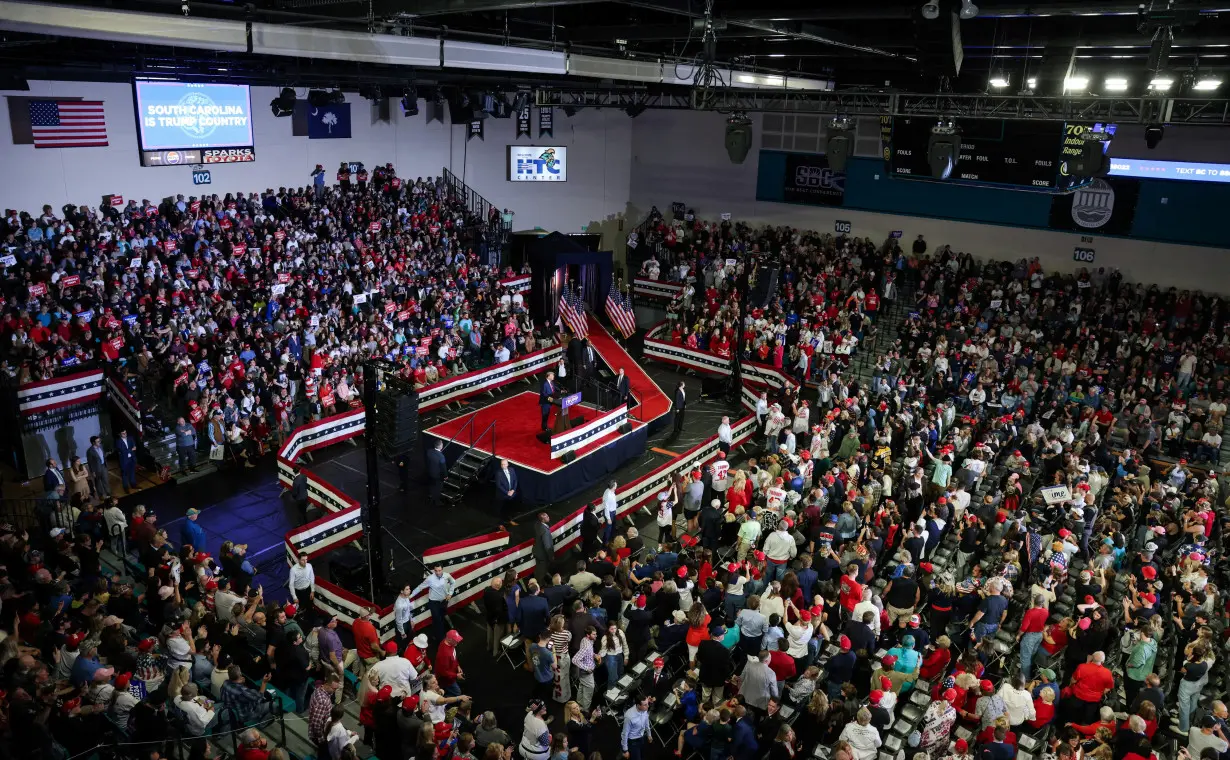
572 311
619 309
68 123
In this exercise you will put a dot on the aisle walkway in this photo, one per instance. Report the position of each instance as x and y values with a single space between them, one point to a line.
654 403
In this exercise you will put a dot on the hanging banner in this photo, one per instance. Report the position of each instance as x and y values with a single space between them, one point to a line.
523 123
546 122
476 129
435 111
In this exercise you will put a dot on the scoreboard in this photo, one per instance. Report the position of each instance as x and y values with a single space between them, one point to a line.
1029 155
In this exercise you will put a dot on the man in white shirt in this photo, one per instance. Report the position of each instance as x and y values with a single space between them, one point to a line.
395 672
198 709
610 506
302 583
501 354
725 435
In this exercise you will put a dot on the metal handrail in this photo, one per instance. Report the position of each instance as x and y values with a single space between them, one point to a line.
491 427
469 423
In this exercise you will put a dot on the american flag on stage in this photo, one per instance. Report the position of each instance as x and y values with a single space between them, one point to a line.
572 311
68 123
619 309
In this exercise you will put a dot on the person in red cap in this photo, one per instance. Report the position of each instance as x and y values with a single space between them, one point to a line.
840 667
447 669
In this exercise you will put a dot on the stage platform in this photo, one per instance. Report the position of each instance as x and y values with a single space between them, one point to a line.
518 421
543 480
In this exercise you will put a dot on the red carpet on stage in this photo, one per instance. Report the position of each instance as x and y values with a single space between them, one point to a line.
518 421
654 403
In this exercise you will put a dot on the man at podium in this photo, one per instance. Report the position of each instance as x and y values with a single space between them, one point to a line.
545 396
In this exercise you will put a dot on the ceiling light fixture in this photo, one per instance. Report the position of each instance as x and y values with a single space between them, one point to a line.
931 10
1116 84
1075 84
1031 83
1205 85
999 81
1161 83
968 10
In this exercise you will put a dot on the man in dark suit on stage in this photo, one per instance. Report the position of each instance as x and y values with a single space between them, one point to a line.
589 360
544 398
506 489
623 389
437 468
681 403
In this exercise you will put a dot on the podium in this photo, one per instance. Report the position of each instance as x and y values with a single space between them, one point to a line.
562 422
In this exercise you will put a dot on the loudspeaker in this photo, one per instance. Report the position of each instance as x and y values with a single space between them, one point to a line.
738 140
395 423
625 428
568 457
544 437
348 567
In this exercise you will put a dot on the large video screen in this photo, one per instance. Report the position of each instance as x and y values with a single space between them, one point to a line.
537 163
214 119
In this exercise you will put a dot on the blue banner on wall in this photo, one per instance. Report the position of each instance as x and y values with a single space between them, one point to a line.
809 180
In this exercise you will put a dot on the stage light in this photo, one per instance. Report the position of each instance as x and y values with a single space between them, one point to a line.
284 103
370 92
1206 85
318 98
1031 83
1092 161
999 81
738 137
521 101
1153 135
570 111
1161 83
931 10
840 143
943 149
968 10
635 110
410 102
1075 84
1115 84
337 97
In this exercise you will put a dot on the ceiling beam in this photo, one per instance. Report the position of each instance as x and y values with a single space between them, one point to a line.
649 32
869 12
800 32
443 7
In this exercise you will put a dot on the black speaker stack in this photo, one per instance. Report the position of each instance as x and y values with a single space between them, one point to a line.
394 422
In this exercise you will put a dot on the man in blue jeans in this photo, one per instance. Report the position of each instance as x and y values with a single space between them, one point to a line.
991 612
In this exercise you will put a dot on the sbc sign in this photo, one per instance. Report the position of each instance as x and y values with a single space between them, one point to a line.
819 178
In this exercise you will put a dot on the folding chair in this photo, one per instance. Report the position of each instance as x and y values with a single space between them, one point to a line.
508 645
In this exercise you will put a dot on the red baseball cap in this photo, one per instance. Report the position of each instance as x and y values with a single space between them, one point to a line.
844 641
876 696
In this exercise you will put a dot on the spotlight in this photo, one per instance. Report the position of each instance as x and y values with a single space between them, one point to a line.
968 10
1031 83
1075 84
1153 135
1161 83
635 110
520 101
931 10
839 143
1115 84
1207 84
943 148
1000 81
570 111
1092 161
370 92
284 103
410 102
337 97
318 98
738 137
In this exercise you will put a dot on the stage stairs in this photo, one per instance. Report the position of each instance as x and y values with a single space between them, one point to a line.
475 464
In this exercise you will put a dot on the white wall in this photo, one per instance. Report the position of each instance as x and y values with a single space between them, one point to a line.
681 156
597 187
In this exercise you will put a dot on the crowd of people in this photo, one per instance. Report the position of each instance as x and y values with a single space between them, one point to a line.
247 313
959 534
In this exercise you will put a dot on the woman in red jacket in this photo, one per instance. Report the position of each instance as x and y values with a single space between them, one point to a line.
698 629
1044 708
936 661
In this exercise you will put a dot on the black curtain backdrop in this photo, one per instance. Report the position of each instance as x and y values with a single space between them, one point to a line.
556 258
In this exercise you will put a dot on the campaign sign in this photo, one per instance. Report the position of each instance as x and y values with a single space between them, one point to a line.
179 115
571 399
